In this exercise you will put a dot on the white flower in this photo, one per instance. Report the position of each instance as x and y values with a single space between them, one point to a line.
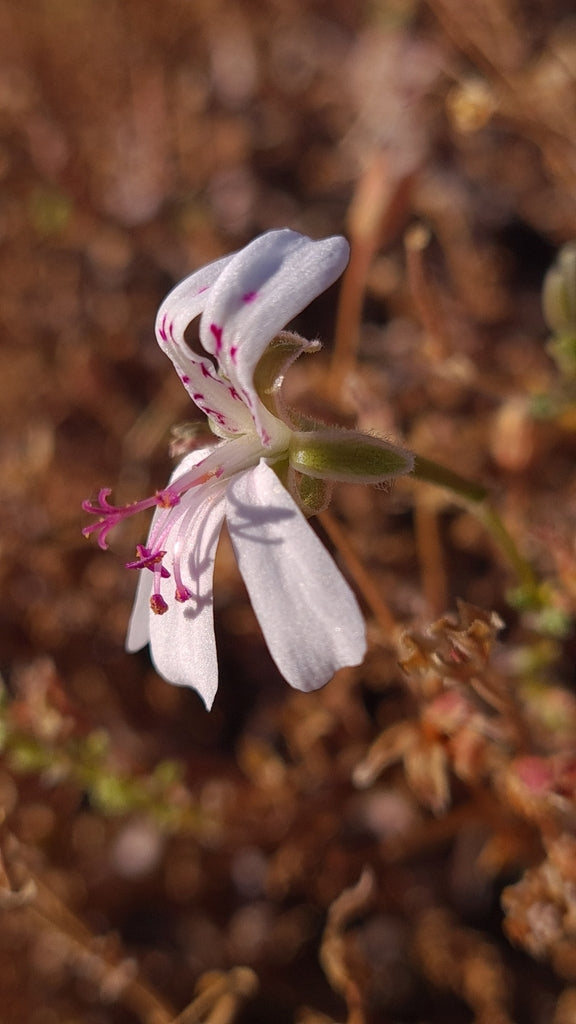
257 477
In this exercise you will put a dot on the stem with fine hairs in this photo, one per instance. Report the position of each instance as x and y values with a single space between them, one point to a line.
477 498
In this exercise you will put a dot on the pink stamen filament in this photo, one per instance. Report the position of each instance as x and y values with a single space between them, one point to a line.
157 602
172 520
148 559
111 515
182 592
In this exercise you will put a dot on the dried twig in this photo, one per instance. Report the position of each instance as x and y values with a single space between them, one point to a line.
341 960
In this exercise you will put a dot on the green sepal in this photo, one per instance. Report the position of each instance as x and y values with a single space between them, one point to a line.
559 292
348 456
312 494
271 369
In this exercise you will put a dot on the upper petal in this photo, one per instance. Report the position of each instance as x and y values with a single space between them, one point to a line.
257 293
308 613
212 395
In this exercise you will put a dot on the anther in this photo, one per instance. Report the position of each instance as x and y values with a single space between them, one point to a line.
167 498
158 604
148 559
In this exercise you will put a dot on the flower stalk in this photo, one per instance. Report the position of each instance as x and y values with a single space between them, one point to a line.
477 499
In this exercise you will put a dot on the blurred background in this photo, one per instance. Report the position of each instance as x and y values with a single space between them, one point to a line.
147 846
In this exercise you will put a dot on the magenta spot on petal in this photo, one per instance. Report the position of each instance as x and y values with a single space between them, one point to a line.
162 328
204 289
249 296
185 379
234 394
198 397
217 333
205 371
233 352
215 415
265 437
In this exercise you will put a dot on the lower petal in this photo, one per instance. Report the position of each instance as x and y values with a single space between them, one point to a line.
182 641
138 634
308 613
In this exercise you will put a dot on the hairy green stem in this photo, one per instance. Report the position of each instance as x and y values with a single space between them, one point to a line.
478 498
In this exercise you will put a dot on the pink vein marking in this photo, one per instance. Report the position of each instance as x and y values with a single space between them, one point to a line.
162 328
217 332
249 296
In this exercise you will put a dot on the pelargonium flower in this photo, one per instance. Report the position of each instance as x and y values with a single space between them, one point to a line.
265 473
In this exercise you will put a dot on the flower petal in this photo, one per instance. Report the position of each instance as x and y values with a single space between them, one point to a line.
214 396
263 287
138 634
182 642
309 616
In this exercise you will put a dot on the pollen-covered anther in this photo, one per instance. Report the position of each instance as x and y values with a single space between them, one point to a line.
148 559
182 594
167 498
158 604
213 474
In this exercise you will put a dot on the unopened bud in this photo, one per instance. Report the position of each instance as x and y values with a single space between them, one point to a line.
347 456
